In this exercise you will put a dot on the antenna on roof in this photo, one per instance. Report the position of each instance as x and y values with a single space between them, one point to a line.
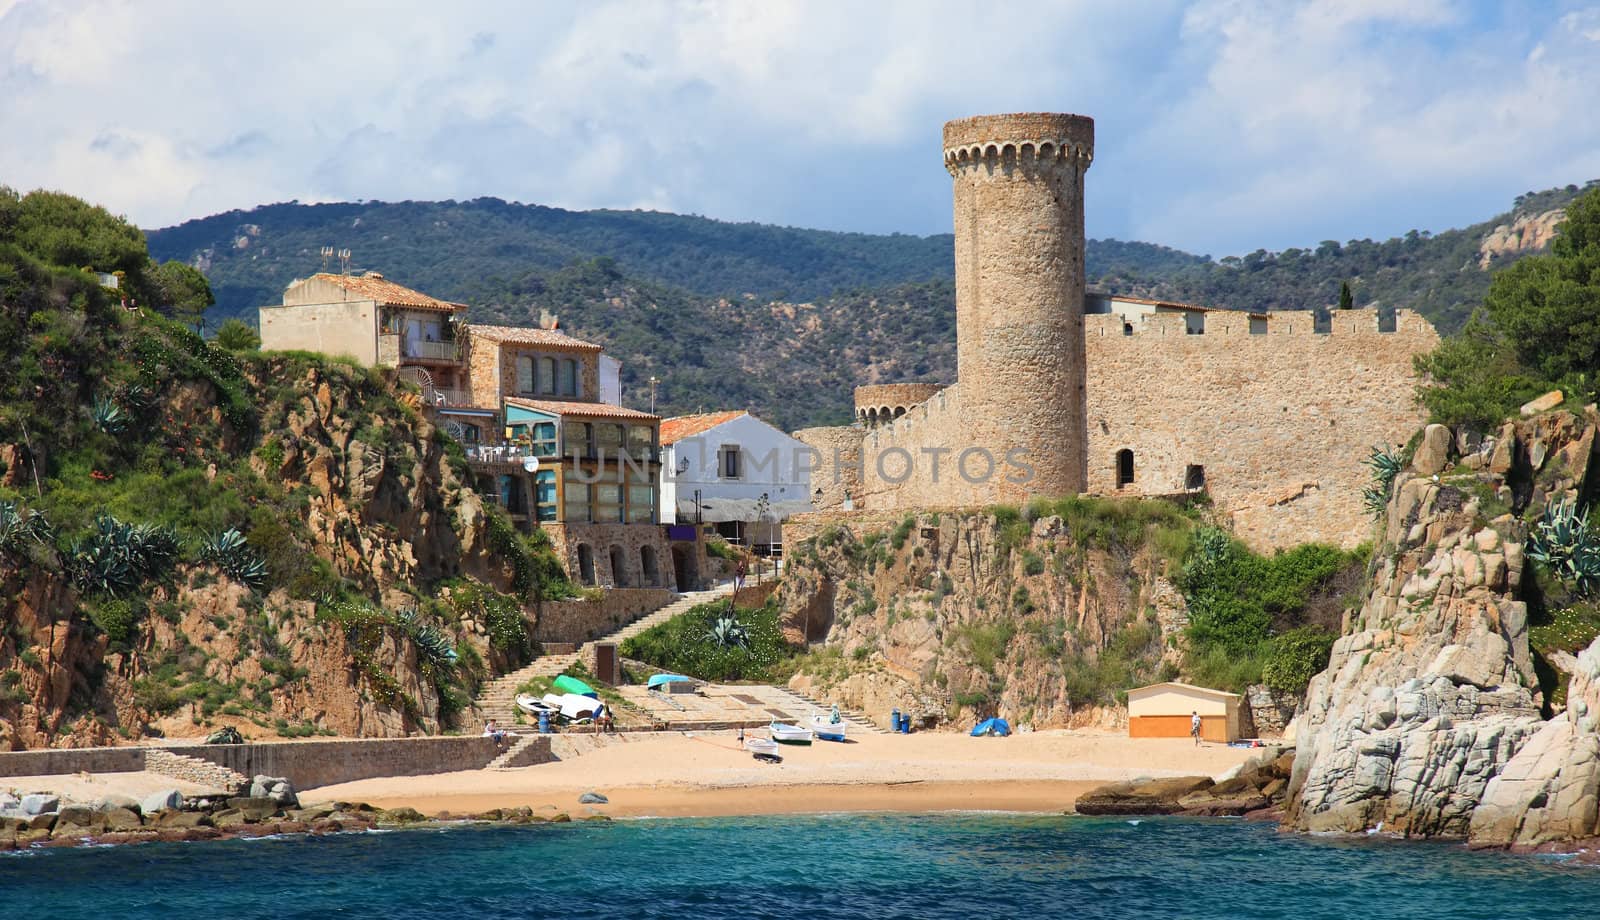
344 261
327 253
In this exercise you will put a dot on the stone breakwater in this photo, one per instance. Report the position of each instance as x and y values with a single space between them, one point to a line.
271 808
1427 721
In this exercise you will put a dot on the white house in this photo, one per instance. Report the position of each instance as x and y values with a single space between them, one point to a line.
733 470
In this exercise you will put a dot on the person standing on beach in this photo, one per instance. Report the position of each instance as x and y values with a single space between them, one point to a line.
1194 726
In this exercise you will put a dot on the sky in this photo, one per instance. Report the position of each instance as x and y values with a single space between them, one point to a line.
1221 126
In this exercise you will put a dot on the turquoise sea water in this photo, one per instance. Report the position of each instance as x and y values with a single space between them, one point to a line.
878 867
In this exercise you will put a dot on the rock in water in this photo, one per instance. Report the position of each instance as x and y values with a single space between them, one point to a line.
165 800
1548 792
593 798
1430 694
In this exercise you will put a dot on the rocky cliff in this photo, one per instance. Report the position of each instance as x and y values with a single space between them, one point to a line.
960 615
370 545
1431 699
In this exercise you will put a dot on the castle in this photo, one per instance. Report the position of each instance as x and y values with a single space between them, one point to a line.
1061 392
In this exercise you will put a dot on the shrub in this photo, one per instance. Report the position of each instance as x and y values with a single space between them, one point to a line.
685 644
1295 657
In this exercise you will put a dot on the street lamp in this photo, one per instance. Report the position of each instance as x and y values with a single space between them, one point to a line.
654 382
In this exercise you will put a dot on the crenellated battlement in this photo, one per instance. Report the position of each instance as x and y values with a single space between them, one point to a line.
1276 324
1023 140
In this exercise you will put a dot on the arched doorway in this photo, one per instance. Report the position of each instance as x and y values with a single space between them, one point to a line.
650 572
1124 468
585 564
684 568
619 566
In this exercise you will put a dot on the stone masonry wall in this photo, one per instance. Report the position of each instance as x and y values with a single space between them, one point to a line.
633 538
1280 422
309 764
579 621
838 460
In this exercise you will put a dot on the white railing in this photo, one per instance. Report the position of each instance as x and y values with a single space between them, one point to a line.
444 396
433 351
499 453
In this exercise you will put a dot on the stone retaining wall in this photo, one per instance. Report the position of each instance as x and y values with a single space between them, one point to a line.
73 760
309 764
579 621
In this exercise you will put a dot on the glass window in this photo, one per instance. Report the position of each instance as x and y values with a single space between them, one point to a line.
730 462
641 504
471 433
577 437
641 441
544 494
524 374
544 439
569 377
577 500
547 376
608 502
608 440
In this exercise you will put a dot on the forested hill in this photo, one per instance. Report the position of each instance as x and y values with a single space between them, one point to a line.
785 321
446 247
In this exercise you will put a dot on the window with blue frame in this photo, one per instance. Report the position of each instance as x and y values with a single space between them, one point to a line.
544 494
544 439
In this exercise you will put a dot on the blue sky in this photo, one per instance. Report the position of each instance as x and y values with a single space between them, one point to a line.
1222 126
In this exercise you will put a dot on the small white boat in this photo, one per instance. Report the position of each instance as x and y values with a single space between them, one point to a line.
573 706
827 729
761 746
789 734
532 705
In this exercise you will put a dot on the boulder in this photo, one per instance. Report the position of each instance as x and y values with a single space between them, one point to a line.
255 808
39 803
1433 452
277 788
313 813
592 798
1141 796
121 819
165 800
401 815
181 819
230 817
117 800
1543 404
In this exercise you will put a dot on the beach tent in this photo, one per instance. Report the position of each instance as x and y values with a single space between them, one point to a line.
569 684
991 727
661 680
1164 710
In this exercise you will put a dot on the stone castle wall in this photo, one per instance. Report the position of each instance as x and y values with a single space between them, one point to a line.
836 472
1280 422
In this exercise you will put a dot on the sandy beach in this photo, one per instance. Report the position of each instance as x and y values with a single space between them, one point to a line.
706 774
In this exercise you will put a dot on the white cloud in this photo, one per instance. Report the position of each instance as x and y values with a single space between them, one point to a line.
1222 125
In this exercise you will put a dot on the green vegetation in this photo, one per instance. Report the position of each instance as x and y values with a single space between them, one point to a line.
1251 616
237 335
689 643
1130 659
1539 329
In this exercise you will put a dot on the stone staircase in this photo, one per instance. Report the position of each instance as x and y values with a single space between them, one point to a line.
193 769
856 719
498 698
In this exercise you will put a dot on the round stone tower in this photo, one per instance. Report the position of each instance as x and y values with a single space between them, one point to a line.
1019 294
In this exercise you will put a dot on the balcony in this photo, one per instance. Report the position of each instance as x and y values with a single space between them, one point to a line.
445 396
502 456
398 348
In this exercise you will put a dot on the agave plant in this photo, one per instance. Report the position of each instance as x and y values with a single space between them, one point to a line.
108 416
728 632
1564 543
116 556
1386 465
19 527
228 551
432 645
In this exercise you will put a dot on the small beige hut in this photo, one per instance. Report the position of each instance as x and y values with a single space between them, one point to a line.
1164 710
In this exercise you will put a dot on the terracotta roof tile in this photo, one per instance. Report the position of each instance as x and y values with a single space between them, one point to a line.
679 427
582 409
373 286
527 335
